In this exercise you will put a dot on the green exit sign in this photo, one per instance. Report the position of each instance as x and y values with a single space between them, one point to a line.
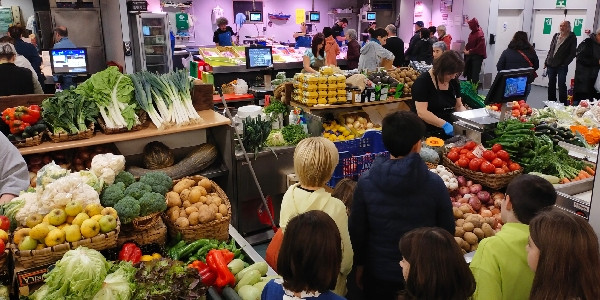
561 3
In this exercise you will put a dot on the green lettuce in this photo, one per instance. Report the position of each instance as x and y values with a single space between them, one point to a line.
118 285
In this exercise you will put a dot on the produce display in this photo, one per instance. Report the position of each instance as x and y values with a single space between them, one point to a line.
322 88
77 159
23 122
585 114
519 109
197 160
493 161
69 112
403 76
450 181
470 97
335 132
191 203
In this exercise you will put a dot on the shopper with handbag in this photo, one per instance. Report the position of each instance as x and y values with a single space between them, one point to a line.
520 54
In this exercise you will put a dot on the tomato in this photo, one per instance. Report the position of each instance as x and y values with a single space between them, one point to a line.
474 164
496 147
470 155
464 151
457 149
497 162
503 155
463 156
470 145
499 171
453 156
463 162
514 167
505 168
489 155
487 167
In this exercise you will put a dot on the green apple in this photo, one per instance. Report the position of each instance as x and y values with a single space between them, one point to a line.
57 217
33 220
28 243
73 208
107 223
80 218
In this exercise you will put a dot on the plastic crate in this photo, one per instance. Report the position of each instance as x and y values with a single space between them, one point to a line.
357 156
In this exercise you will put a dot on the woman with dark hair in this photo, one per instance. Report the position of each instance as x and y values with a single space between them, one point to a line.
309 259
423 50
437 94
563 252
372 53
519 54
434 267
587 66
314 58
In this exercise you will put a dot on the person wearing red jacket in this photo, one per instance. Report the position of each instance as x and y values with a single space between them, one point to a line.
474 51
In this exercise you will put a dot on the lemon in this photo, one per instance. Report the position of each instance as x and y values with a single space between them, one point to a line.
146 258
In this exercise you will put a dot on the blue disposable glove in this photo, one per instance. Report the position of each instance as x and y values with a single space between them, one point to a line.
448 129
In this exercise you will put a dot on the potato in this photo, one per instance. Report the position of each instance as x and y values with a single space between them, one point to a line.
459 231
489 220
206 184
195 194
194 218
182 213
206 215
458 240
190 210
218 216
213 208
173 213
186 204
203 199
465 246
487 230
173 199
202 190
185 195
471 238
474 247
457 213
197 205
223 209
183 184
468 226
460 222
182 222
465 208
217 201
475 219
209 200
479 233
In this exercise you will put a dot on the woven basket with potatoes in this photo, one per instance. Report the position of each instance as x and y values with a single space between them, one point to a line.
197 208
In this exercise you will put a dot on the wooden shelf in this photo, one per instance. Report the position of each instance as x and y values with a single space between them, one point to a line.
335 106
211 119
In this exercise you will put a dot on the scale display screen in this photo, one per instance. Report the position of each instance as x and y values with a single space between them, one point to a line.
259 57
256 16
515 86
69 61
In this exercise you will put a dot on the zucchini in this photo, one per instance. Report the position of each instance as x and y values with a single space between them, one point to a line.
198 160
29 130
213 294
230 294
236 265
25 135
249 292
262 267
550 178
250 278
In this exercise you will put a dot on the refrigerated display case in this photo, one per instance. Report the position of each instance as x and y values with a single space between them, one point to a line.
151 42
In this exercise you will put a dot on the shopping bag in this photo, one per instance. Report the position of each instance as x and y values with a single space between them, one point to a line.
597 84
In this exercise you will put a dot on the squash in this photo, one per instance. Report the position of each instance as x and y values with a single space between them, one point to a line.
157 156
198 160
434 142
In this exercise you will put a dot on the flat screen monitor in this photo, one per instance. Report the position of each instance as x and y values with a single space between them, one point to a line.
509 85
69 61
256 16
259 57
371 16
314 16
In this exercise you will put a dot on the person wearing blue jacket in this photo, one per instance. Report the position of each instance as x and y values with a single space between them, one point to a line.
28 50
393 197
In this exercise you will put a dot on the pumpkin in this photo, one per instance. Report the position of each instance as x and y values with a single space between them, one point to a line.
157 156
196 161
434 142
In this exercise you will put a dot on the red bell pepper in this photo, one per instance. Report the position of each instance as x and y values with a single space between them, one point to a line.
228 255
130 252
217 263
208 277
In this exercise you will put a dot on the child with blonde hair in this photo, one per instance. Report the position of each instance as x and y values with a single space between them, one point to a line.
315 159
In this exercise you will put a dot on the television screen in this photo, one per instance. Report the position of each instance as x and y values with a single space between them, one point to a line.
515 86
315 16
259 57
69 61
371 16
255 16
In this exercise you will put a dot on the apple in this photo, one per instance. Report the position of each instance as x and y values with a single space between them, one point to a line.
2 246
28 243
80 218
73 208
3 236
33 220
107 224
72 233
90 228
39 231
5 223
109 211
57 217
93 209
55 237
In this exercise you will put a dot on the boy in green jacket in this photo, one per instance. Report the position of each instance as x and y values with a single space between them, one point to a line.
500 263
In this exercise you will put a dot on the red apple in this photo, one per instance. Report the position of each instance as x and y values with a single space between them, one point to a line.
4 223
2 246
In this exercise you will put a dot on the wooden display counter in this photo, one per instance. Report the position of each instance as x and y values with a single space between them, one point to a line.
307 108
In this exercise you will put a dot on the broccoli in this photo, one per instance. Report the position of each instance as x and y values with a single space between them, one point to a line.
125 177
128 209
159 181
151 203
112 194
137 190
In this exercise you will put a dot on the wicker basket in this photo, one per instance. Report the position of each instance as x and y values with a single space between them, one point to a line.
30 141
156 234
143 223
33 258
493 181
142 117
4 258
57 138
215 229
227 89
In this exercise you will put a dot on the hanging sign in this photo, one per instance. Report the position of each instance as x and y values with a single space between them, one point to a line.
299 15
547 26
561 3
577 25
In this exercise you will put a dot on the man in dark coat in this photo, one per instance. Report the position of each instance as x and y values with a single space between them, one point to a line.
413 40
561 54
475 51
27 50
587 66
395 45
394 196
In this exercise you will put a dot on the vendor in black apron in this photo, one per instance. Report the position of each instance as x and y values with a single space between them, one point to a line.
436 95
224 34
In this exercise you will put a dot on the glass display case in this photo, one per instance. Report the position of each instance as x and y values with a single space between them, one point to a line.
151 42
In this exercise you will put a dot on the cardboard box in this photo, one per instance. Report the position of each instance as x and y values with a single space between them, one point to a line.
27 281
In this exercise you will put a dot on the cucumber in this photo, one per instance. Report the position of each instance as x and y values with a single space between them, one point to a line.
230 294
213 294
250 278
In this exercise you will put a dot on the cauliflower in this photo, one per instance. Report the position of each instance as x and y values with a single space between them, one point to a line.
49 173
90 179
107 166
31 206
72 187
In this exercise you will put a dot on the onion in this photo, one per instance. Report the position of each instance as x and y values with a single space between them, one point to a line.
35 160
456 204
463 190
469 183
486 213
497 203
483 196
47 159
475 188
461 181
78 161
462 200
85 155
475 203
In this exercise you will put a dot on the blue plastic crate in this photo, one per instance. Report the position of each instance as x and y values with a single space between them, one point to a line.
356 156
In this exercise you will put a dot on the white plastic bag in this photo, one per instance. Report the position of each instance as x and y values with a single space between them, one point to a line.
597 84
